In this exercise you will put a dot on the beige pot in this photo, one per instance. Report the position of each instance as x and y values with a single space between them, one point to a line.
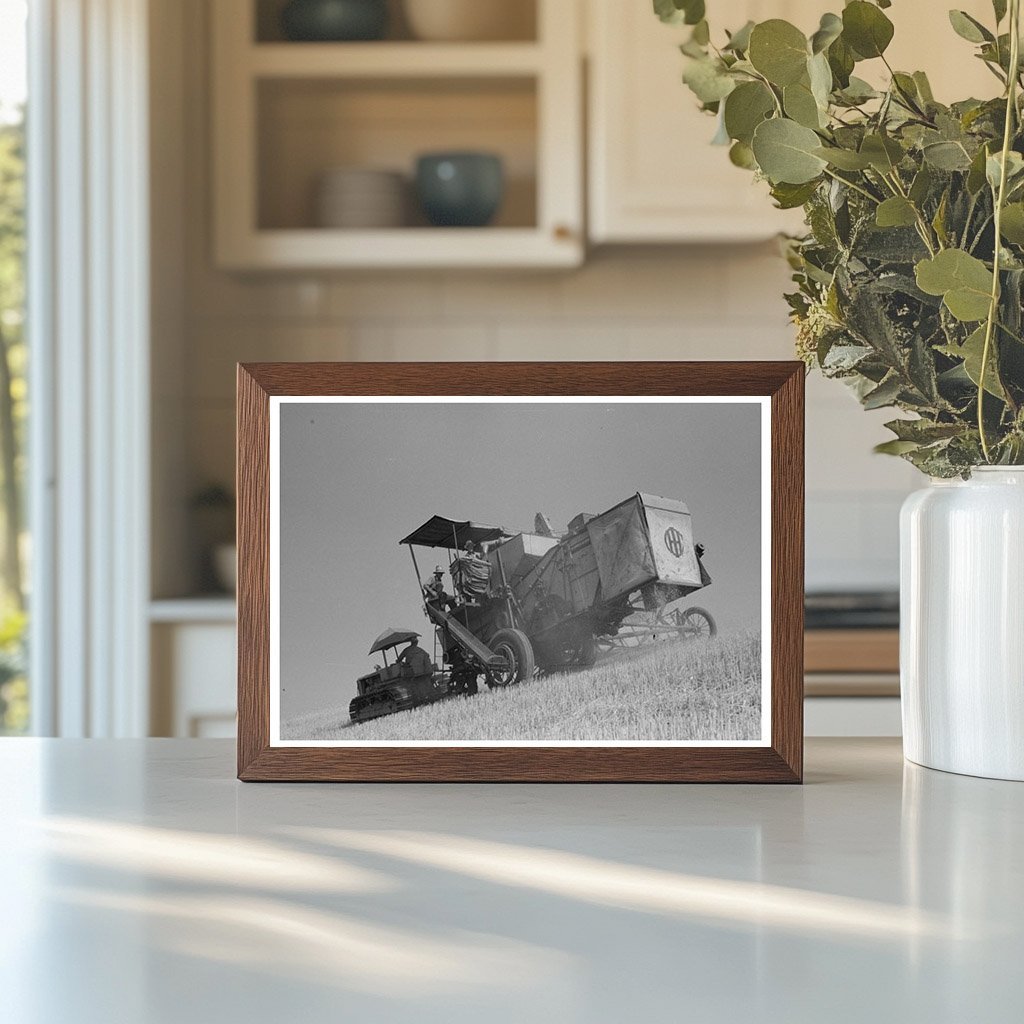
471 20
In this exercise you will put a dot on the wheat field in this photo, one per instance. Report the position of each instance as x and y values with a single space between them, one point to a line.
705 690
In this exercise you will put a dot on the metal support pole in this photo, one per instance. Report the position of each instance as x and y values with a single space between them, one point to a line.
416 569
505 588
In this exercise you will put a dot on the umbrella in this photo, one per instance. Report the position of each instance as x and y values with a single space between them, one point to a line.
392 637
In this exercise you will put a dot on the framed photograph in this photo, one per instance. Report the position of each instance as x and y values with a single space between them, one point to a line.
520 572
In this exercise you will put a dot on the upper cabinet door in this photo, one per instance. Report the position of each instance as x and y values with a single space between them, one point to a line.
654 175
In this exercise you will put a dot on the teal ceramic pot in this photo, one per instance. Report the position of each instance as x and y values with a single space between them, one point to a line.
332 21
461 190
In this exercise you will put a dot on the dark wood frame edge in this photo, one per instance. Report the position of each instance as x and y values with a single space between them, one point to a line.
782 762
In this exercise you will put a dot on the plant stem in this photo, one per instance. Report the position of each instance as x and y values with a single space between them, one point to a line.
993 309
856 188
923 229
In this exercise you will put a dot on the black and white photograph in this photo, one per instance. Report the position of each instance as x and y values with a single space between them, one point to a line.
459 571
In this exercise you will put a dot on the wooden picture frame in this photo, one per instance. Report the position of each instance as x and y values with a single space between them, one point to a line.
779 759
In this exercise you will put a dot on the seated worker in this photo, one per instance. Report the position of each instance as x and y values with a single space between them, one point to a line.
416 659
471 573
433 590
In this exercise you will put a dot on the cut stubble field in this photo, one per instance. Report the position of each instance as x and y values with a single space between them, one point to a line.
702 690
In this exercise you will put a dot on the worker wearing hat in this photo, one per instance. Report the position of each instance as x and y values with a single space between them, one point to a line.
433 590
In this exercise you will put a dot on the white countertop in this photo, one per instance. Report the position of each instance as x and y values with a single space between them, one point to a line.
143 885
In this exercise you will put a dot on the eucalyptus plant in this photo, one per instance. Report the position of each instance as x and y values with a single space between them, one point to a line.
910 278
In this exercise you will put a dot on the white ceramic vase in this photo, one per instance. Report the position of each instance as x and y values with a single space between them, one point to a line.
962 624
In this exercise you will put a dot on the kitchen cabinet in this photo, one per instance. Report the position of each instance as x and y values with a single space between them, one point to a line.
286 113
653 175
193 652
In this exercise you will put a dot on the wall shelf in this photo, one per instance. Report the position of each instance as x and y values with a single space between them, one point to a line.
392 60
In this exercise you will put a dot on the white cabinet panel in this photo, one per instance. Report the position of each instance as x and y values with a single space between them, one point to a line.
653 175
193 674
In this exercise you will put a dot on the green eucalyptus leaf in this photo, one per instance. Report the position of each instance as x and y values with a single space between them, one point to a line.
923 431
789 197
972 353
701 33
741 155
896 212
947 156
739 41
819 75
924 87
858 91
1012 225
963 281
779 51
844 159
969 28
999 7
745 108
1014 169
884 395
976 173
883 153
785 152
708 80
676 12
721 136
842 61
829 30
921 185
800 105
895 447
939 220
866 29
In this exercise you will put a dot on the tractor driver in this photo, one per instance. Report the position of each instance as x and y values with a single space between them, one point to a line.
416 659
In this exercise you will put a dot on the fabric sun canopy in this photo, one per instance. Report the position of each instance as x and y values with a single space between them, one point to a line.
438 532
392 637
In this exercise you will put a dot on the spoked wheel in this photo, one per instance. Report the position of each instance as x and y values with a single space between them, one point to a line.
696 624
516 652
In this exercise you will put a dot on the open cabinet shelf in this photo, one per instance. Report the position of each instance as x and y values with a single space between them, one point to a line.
286 114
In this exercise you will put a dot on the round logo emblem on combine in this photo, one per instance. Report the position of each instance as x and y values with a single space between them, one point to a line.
674 541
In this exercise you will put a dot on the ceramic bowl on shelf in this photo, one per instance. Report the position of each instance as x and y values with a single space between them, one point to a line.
471 20
460 189
332 21
361 198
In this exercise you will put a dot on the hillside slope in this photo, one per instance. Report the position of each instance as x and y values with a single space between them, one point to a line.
707 690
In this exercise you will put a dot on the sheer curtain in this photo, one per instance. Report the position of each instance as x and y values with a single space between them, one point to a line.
88 299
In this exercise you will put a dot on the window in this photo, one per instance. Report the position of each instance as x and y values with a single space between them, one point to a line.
14 547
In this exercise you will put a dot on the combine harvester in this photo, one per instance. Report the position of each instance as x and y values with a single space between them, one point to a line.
533 601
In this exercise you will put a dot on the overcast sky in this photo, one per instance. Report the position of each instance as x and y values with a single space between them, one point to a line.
356 478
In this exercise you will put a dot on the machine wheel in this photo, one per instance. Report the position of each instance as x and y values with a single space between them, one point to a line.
514 646
697 624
